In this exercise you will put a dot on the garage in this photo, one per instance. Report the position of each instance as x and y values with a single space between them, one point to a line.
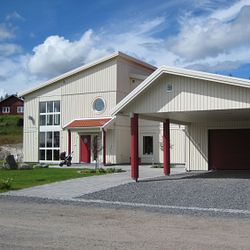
229 149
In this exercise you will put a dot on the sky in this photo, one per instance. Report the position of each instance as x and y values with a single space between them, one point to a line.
40 39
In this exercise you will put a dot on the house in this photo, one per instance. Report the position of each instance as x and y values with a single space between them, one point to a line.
215 110
12 105
138 113
73 111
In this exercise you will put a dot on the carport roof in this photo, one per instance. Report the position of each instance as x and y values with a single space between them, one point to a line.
179 72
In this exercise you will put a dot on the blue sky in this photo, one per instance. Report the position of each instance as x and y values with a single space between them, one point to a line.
42 39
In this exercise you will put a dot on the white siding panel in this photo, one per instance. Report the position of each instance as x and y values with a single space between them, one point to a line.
124 70
101 78
197 141
189 95
110 147
80 106
31 114
30 146
178 144
75 146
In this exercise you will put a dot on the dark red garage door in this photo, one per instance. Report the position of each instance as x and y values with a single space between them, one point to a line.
229 149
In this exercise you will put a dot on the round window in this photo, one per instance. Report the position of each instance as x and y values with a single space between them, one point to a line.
99 105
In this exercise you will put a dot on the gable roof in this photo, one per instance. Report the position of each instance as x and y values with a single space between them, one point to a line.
12 96
180 72
87 66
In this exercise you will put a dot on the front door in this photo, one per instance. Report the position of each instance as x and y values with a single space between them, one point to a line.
85 150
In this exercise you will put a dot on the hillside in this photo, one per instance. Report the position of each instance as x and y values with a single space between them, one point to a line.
11 130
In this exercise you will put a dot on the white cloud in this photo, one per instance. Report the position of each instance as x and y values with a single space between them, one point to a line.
14 16
5 33
7 49
227 14
213 42
57 54
208 37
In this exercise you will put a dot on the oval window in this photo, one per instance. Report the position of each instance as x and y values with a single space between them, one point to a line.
98 105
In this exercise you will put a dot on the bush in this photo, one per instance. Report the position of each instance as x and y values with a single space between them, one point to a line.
100 171
88 171
5 184
114 170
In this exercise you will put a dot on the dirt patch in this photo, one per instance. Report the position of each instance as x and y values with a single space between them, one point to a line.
31 225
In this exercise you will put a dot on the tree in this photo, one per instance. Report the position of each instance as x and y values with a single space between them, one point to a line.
96 148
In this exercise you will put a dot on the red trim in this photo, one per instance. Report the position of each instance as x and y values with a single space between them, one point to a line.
69 142
88 123
166 147
85 150
134 147
104 146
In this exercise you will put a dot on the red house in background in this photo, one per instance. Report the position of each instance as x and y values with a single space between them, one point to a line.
12 105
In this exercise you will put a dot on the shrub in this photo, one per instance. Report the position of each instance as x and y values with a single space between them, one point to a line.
100 171
5 184
88 171
114 170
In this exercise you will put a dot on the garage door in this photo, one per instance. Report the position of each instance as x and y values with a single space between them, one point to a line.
229 149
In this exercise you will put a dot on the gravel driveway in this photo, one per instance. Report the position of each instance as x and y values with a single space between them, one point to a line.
215 190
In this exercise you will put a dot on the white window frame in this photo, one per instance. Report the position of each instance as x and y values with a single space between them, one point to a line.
46 114
147 135
93 105
50 128
52 148
5 110
20 109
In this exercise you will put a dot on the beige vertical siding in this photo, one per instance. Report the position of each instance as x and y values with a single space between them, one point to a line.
124 70
110 147
76 94
189 95
197 141
177 145
30 149
30 130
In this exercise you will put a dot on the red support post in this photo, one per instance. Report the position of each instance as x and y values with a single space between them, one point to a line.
69 142
166 147
104 147
134 147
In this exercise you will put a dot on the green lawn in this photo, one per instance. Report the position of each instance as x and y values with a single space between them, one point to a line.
28 178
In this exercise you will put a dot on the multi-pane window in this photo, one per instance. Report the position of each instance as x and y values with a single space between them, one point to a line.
49 145
19 109
148 145
49 135
49 113
5 109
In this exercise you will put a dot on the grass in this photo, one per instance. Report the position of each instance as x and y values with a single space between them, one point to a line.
160 165
11 130
34 177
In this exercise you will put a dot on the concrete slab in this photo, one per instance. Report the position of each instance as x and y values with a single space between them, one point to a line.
67 190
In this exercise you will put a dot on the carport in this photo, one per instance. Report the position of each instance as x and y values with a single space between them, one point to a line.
214 108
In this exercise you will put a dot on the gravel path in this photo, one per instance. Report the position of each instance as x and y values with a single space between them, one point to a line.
222 190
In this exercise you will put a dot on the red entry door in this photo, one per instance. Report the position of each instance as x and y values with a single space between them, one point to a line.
85 152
